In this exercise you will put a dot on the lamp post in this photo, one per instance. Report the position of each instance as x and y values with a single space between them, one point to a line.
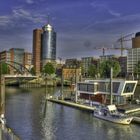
111 88
62 80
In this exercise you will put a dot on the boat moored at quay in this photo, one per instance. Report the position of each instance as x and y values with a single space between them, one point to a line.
111 114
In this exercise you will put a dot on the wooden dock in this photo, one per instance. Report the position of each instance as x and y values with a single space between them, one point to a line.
72 104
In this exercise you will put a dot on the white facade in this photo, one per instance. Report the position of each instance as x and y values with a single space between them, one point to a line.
132 59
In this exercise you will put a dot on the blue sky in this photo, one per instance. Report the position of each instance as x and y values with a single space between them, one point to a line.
81 25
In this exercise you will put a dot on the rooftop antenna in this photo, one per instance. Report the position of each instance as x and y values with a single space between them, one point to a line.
48 19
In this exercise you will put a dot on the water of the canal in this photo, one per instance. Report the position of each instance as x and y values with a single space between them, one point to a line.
27 115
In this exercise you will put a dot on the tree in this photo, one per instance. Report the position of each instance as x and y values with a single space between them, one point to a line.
48 69
4 69
32 71
105 67
137 69
92 71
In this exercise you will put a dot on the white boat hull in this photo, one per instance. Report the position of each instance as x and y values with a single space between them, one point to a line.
126 120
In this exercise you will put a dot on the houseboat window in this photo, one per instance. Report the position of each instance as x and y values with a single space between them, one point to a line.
90 88
129 87
82 87
116 86
102 87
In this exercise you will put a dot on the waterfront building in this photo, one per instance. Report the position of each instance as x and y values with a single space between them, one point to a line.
27 60
5 56
37 50
72 63
72 74
133 54
86 62
44 47
17 55
99 90
132 59
123 64
48 44
108 57
136 41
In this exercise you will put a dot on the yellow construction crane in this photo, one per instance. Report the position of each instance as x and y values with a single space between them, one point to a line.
127 37
104 49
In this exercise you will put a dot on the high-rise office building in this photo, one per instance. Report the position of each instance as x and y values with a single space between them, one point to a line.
44 47
48 44
37 50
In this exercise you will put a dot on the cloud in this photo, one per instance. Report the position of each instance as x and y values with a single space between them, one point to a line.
21 13
4 20
29 1
20 17
113 13
27 15
103 7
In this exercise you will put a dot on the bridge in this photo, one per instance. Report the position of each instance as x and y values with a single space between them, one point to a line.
25 76
20 68
22 73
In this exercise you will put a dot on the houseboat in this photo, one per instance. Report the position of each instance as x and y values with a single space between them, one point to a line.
99 91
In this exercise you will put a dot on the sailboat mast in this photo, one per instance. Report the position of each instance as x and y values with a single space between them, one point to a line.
111 87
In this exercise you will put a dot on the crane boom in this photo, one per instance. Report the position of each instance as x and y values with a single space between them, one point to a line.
122 39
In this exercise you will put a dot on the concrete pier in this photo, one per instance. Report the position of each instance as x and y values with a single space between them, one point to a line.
129 108
91 108
72 104
136 120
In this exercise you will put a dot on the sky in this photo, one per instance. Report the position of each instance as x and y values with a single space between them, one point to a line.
83 27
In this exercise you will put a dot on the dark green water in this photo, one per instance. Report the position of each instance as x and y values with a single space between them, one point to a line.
27 114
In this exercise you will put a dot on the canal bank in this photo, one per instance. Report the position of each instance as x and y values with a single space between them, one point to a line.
30 120
7 133
127 110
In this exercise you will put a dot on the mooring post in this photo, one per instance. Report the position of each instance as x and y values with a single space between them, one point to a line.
2 95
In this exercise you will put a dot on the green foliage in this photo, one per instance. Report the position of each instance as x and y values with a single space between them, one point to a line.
32 71
48 69
137 69
106 66
4 69
92 71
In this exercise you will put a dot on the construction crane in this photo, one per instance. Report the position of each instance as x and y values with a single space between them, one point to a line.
103 49
123 39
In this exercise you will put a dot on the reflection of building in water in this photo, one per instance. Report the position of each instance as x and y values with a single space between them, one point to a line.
99 90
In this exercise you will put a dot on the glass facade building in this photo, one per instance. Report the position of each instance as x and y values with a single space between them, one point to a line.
48 44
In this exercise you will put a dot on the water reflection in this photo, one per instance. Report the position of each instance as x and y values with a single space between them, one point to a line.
32 118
